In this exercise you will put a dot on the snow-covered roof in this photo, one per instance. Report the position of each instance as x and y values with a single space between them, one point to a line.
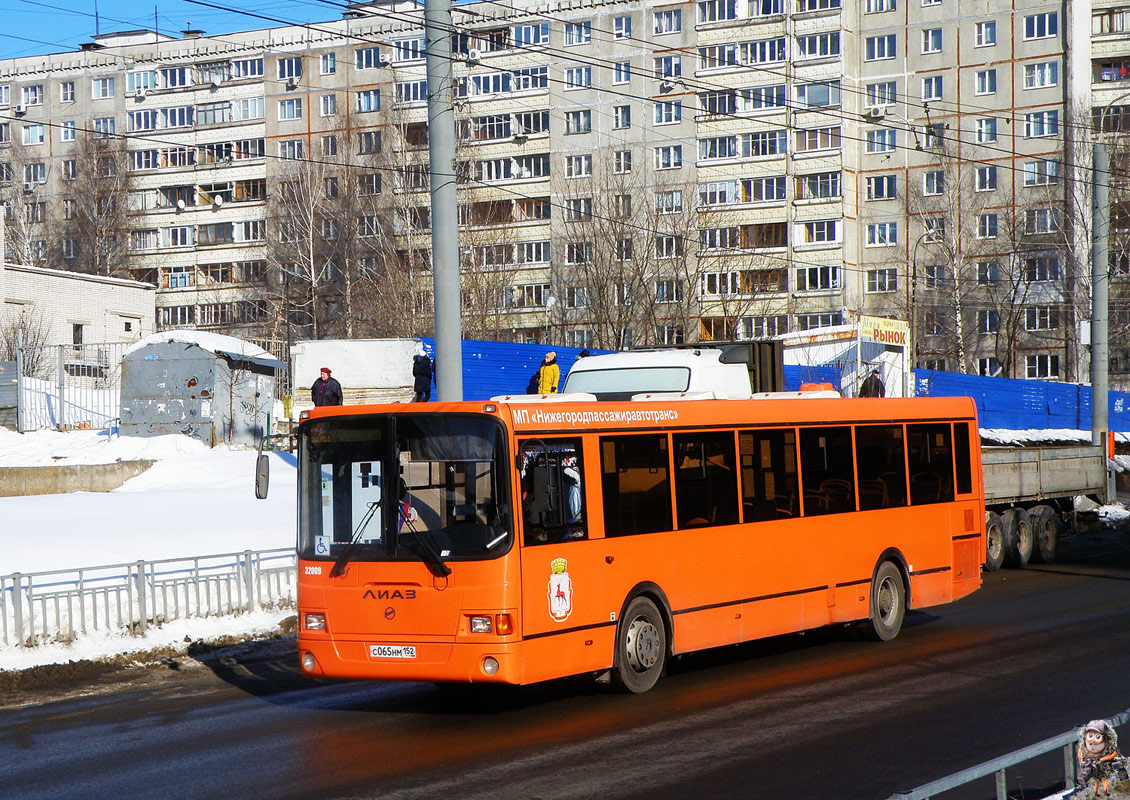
217 343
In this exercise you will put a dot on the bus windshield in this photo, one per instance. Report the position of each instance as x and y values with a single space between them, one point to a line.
621 383
425 487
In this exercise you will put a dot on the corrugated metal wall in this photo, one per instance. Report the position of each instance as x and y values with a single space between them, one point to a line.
494 368
1023 405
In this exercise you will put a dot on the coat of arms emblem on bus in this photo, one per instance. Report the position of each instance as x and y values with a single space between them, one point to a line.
560 591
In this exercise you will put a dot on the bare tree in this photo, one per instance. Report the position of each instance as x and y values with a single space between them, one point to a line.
95 227
29 326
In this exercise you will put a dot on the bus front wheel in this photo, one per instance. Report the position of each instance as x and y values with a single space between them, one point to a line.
888 603
641 642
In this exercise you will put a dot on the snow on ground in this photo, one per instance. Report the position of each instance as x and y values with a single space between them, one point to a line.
194 501
1004 436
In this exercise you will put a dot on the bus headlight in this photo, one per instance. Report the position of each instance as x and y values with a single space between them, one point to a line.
314 622
308 663
490 665
481 624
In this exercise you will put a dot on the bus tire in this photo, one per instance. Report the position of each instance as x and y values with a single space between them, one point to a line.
1017 537
888 603
641 647
1046 529
994 541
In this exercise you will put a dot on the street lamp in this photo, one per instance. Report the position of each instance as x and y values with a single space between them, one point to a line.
914 299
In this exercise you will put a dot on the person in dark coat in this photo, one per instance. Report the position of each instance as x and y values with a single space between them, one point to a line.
421 377
872 385
326 391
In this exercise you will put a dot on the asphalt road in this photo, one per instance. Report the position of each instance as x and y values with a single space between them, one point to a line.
824 715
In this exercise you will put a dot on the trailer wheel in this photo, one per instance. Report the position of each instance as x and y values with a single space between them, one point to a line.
1046 529
994 541
1017 537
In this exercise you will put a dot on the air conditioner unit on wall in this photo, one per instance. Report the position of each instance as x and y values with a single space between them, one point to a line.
21 108
474 55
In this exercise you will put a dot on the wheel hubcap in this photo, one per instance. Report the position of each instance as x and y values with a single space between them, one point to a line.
887 601
994 543
643 644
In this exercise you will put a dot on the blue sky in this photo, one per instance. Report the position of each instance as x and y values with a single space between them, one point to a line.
33 27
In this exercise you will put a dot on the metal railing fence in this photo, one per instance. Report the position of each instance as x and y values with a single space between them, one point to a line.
65 386
997 766
61 605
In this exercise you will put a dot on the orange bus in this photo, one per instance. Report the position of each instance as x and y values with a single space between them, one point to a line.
515 542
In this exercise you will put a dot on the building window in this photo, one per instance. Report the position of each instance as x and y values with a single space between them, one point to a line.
368 100
34 134
1041 123
818 278
578 77
1041 26
101 88
291 108
290 67
882 234
622 162
882 187
818 45
668 21
988 321
882 94
578 33
987 81
666 67
1037 76
878 6
717 10
932 88
818 95
824 231
32 95
932 40
985 179
1041 173
621 72
1039 269
933 182
986 129
668 112
881 140
367 57
1042 366
329 63
1041 220
819 185
1041 318
669 157
66 92
578 121
879 48
987 226
621 117
882 280
986 34
819 139
622 27
66 132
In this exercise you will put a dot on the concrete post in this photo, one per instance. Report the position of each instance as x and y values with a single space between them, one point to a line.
249 579
142 604
1100 294
445 217
18 606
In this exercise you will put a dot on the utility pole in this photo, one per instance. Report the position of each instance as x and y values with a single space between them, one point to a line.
445 217
1100 291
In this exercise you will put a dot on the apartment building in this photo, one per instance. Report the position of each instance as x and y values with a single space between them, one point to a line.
629 172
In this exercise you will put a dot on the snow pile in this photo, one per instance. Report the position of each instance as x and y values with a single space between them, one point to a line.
212 342
1113 513
1041 436
47 447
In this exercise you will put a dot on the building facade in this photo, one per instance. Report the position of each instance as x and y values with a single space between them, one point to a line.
628 172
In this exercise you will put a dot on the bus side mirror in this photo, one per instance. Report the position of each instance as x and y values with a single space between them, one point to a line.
262 475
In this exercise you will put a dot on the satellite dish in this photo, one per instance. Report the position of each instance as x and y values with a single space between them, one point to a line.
219 201
180 205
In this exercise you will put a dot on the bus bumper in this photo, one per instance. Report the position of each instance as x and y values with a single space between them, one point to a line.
456 662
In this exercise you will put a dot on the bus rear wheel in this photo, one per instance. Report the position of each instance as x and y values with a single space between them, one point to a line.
1046 527
641 647
994 541
888 603
1017 537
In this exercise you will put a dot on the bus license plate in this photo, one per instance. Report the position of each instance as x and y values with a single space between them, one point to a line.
392 651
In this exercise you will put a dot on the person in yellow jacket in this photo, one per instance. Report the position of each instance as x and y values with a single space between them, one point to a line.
548 374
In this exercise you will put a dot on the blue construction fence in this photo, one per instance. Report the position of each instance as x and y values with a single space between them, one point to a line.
1015 404
494 368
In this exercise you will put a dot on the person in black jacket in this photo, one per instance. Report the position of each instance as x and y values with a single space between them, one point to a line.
326 391
872 385
421 377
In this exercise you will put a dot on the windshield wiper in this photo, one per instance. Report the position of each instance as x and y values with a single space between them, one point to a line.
427 549
339 565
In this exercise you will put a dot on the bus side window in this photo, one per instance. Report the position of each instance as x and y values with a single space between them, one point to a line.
961 451
553 507
880 460
930 459
769 475
635 484
706 489
827 470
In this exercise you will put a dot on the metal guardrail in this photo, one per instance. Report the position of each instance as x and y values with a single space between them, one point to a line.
69 386
61 605
997 766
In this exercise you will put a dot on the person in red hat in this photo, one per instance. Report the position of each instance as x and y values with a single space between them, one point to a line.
326 391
